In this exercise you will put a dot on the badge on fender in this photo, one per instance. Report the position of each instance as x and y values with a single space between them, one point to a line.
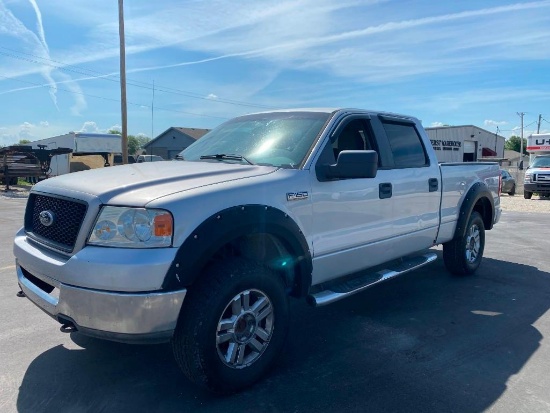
297 196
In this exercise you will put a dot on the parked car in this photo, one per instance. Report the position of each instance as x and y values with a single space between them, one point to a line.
508 182
149 158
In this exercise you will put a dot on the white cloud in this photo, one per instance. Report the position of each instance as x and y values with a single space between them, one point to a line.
212 96
26 131
12 134
488 122
116 127
90 127
436 124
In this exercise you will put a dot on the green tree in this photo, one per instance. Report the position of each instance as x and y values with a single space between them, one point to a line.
513 143
24 141
135 143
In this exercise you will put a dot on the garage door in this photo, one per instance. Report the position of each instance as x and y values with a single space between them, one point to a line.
469 147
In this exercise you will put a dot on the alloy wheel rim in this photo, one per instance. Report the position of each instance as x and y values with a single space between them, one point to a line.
473 244
244 329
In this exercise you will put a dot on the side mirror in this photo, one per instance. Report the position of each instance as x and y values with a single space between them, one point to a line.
350 165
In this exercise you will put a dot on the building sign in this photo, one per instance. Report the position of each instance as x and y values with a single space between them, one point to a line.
538 143
439 145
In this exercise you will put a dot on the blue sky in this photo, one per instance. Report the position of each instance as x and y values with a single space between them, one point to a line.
198 63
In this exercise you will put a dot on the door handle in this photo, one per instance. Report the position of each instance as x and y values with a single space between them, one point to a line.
433 184
385 190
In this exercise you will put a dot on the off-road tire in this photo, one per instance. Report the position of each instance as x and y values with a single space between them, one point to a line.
195 342
462 255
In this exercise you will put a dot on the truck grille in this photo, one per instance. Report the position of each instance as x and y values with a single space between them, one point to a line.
67 219
542 178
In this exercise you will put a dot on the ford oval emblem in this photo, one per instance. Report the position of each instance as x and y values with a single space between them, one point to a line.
46 218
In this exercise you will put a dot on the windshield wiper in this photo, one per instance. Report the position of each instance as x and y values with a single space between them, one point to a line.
229 157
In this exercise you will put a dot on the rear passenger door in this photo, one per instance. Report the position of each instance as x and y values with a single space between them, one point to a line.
416 189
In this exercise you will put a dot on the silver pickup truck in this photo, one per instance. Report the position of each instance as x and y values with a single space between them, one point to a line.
206 252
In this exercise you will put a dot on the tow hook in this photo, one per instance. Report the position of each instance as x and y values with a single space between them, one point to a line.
21 294
68 328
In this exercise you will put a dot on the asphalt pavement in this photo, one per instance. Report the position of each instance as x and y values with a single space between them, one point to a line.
424 342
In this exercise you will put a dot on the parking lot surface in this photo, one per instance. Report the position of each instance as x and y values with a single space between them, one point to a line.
425 342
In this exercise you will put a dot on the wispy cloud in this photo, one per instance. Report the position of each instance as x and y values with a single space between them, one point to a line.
11 25
489 122
40 26
301 34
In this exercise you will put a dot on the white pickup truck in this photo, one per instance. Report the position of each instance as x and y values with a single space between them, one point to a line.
537 177
206 252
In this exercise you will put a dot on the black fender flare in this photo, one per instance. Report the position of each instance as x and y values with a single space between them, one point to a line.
230 224
478 191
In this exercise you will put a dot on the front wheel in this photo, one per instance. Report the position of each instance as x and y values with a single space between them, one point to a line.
527 195
512 191
233 325
462 255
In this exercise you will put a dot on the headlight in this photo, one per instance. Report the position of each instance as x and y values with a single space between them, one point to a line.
132 228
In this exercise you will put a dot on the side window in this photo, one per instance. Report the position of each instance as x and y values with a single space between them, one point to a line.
356 135
406 145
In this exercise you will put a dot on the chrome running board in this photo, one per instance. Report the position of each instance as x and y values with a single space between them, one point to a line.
362 282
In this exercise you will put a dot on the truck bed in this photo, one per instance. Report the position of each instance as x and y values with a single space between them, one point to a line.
457 178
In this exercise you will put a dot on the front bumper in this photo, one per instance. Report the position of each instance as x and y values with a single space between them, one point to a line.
126 317
110 293
539 188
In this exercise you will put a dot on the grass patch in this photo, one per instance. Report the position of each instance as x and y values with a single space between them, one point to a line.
22 182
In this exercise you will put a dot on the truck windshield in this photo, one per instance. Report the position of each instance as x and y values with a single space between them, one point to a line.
280 139
542 162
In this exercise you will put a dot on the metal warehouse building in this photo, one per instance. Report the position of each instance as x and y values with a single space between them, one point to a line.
465 144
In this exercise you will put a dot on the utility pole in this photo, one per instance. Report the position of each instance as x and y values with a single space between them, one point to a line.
521 114
123 83
538 125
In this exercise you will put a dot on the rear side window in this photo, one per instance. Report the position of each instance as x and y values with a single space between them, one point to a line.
406 145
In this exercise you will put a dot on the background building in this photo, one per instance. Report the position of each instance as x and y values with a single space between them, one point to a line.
466 144
172 141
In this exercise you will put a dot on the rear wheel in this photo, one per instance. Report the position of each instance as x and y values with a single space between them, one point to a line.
527 194
513 190
462 255
233 325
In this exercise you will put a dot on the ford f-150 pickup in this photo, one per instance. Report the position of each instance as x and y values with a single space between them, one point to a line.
537 177
206 251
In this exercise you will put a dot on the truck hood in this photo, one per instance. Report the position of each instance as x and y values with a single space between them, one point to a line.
144 182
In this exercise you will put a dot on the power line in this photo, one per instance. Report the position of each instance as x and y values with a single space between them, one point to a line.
113 100
106 76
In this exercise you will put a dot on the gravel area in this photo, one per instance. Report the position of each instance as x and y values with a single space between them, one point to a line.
517 203
16 191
